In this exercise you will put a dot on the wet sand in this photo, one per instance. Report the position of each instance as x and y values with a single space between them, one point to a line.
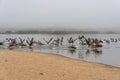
20 65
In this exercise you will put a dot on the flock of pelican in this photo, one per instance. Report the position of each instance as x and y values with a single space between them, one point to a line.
56 42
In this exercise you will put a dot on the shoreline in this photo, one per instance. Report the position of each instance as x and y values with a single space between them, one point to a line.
69 58
62 56
26 65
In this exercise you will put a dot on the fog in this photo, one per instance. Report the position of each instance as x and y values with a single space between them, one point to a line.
74 14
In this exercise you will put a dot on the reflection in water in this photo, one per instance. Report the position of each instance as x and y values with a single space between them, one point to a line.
10 48
81 56
31 49
96 51
72 51
87 53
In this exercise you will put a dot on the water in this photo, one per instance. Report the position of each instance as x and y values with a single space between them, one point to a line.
108 54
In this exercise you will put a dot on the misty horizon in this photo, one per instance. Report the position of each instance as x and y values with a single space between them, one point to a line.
88 15
101 30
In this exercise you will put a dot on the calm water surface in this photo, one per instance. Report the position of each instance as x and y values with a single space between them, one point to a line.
108 54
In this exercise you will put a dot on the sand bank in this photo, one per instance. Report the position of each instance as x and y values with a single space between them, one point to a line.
15 65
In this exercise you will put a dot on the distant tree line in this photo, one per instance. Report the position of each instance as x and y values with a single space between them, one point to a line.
54 32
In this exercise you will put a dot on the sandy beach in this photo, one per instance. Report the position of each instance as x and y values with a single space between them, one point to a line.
20 65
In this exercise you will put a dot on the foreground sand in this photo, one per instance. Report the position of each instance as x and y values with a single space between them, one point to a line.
16 65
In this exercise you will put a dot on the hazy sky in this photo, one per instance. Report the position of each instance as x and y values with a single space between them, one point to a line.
59 13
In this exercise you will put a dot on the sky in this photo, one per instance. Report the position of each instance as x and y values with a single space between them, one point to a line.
77 14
